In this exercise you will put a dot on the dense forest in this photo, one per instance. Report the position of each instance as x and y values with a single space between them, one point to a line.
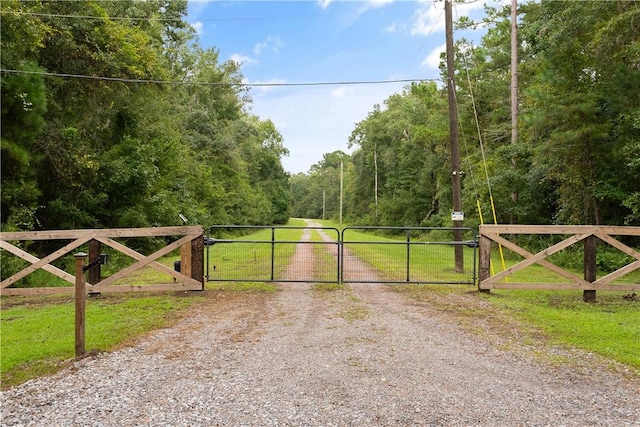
169 131
577 156
100 152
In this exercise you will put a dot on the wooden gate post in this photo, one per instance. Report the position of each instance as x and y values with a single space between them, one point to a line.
192 259
95 274
80 303
197 259
590 248
484 261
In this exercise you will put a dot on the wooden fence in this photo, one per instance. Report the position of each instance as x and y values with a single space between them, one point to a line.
191 244
580 233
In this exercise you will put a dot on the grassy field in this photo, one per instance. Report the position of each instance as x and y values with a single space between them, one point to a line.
38 332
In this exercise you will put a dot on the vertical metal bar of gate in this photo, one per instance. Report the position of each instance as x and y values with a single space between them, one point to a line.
327 272
341 256
273 251
408 252
410 275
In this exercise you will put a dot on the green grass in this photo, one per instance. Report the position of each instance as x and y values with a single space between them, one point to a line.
249 257
610 327
38 332
542 319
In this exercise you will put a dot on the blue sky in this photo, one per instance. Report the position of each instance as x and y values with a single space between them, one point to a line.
326 41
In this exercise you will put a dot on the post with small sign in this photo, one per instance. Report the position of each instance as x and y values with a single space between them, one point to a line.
457 217
80 303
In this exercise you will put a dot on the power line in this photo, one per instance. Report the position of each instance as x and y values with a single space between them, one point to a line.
128 18
131 18
168 82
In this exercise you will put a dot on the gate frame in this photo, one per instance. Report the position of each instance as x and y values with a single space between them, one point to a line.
210 241
587 233
408 243
190 248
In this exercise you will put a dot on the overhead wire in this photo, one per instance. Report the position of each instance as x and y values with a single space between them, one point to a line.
180 19
131 18
196 83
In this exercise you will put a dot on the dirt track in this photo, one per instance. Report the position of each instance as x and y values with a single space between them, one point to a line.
361 355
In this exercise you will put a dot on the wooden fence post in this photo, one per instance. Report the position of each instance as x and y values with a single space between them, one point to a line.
484 261
80 303
197 259
95 274
590 272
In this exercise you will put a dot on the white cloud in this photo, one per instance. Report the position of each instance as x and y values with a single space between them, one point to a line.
391 28
379 3
271 44
242 59
324 3
429 18
371 4
340 92
320 120
198 27
433 58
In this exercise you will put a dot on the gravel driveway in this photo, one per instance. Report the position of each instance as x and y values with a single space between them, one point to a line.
359 356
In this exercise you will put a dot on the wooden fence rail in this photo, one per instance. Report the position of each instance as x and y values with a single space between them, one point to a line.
586 233
191 244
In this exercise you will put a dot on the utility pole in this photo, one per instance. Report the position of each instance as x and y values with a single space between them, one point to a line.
324 202
375 185
514 72
453 130
514 89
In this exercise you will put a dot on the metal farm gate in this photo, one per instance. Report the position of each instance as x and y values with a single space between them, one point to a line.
272 254
317 254
407 255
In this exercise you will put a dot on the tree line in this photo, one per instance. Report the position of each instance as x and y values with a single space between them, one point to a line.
89 152
577 157
93 152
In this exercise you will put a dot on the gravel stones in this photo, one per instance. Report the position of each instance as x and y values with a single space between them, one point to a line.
295 358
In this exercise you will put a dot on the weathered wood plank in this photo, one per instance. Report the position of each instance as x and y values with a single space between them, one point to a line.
32 259
633 287
160 287
143 262
44 261
37 291
559 229
155 264
185 259
618 245
618 273
110 232
523 252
